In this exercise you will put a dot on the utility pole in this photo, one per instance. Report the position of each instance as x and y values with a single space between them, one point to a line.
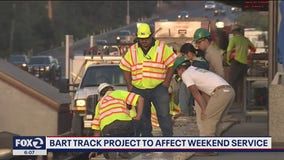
49 10
127 16
158 6
69 41
11 42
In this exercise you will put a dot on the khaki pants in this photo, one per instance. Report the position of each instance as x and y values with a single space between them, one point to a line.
217 106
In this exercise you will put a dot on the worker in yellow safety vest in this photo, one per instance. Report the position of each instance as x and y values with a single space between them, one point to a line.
148 69
112 116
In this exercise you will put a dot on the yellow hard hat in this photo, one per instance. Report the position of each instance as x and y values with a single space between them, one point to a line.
143 30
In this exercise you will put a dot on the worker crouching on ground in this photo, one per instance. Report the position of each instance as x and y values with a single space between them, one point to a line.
112 115
219 96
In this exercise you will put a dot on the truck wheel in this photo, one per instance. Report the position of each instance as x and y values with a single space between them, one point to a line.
77 124
52 77
88 132
59 74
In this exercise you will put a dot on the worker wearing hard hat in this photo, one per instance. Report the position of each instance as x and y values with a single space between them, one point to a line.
209 111
237 56
112 116
221 95
148 69
116 102
203 41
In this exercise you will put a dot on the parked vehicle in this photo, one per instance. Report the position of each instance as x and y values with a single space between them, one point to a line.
105 70
101 42
108 49
235 9
124 36
176 33
43 67
209 5
19 60
183 15
58 69
220 10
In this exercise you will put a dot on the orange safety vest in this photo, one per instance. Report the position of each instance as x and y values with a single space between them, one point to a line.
149 70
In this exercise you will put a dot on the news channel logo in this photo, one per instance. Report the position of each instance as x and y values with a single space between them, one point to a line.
29 142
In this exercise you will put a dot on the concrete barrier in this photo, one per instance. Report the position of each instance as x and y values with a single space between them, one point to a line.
276 109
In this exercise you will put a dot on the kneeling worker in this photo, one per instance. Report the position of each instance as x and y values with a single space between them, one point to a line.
112 114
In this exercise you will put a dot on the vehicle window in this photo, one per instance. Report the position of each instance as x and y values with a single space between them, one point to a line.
97 75
16 58
101 42
124 33
210 2
39 60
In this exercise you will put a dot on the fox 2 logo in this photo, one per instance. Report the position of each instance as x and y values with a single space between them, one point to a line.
29 142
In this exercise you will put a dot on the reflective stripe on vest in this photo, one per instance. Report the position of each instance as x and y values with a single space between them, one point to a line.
154 118
133 54
111 109
108 101
151 72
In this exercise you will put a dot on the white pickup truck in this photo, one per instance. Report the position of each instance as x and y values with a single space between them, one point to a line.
86 96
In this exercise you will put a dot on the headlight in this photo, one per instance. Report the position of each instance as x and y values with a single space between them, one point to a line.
47 68
179 16
89 116
24 65
80 102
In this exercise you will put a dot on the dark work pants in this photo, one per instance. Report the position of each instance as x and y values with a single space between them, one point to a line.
117 128
236 77
160 98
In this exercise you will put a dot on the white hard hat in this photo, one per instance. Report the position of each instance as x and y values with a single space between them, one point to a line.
103 86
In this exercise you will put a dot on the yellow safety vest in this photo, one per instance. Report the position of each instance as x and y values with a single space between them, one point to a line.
149 70
113 106
174 108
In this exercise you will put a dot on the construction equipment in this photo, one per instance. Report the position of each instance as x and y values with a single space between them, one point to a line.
176 33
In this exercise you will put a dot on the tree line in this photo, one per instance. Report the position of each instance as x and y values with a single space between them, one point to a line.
28 27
